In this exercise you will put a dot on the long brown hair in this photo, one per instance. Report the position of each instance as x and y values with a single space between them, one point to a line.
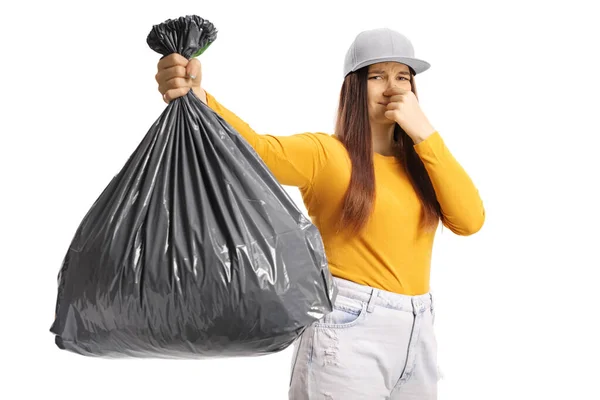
354 131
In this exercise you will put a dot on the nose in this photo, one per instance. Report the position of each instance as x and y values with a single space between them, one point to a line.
392 83
386 94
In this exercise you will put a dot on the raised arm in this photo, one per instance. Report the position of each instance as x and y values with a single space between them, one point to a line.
294 160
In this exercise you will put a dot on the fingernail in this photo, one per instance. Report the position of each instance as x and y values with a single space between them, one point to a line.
193 76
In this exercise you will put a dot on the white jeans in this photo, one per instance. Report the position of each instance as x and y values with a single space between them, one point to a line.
375 345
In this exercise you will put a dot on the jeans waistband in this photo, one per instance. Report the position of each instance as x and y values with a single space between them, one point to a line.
383 298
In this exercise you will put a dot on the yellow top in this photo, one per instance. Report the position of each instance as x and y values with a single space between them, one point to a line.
391 253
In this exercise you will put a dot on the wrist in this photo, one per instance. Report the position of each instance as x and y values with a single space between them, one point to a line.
200 93
422 134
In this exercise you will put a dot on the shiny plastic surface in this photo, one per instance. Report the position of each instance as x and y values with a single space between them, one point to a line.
193 249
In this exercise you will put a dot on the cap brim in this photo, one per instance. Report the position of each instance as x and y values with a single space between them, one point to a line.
416 64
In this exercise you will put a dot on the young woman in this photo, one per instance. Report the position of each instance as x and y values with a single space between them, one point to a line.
376 189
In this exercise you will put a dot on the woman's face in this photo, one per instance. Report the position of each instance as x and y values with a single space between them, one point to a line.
382 76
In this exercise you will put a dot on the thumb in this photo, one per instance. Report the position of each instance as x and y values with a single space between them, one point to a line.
194 69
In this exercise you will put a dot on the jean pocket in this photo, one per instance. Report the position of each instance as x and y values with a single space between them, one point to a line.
346 313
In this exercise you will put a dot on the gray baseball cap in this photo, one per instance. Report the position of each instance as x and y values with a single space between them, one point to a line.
382 45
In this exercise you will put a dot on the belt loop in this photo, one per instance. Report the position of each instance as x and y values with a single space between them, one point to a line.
371 303
431 306
417 305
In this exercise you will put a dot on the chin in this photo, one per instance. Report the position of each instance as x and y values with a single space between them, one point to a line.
383 120
380 119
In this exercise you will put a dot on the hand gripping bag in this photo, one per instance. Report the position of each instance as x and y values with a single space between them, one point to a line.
193 249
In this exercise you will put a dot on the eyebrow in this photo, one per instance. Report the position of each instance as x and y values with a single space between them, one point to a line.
380 71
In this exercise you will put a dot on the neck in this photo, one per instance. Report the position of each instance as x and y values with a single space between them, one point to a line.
383 138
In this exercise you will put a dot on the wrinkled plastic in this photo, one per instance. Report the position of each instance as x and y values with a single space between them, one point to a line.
193 249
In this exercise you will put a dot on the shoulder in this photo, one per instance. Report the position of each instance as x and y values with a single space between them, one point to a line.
328 149
327 140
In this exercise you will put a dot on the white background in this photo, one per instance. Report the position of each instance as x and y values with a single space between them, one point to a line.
513 89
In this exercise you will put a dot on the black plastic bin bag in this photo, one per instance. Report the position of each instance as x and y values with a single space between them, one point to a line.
193 249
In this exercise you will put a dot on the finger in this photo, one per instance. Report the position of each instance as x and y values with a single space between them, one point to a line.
194 68
172 60
394 91
177 83
170 73
393 106
172 84
390 115
172 94
398 98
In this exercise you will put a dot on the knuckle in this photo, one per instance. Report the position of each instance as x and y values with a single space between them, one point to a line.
166 75
181 60
180 82
172 94
173 83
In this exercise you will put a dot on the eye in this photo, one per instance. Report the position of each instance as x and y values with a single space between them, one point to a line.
375 77
405 78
